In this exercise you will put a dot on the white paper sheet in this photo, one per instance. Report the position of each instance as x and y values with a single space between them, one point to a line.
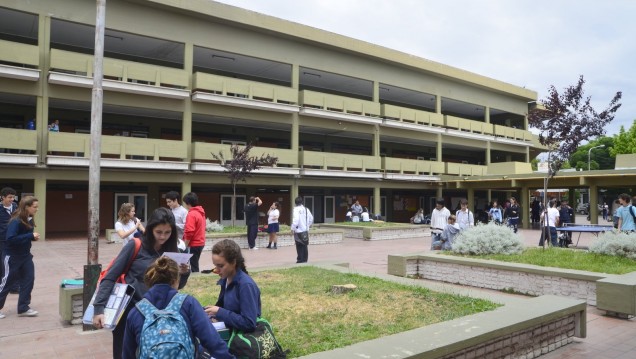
180 258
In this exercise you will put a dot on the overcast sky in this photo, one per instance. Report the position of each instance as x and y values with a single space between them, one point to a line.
530 43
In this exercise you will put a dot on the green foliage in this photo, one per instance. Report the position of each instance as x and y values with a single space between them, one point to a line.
488 239
308 318
534 163
600 158
569 259
617 244
625 141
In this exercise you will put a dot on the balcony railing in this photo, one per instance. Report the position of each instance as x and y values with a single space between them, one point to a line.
348 105
17 139
462 124
202 151
252 90
19 53
339 161
462 169
409 115
119 70
409 166
78 145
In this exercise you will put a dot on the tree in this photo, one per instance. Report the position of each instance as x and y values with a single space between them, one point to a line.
241 165
565 121
625 142
600 155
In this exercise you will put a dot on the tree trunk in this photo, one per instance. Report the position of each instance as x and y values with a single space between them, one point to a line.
233 214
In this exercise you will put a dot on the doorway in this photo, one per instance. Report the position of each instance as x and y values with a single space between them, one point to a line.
226 210
330 209
139 200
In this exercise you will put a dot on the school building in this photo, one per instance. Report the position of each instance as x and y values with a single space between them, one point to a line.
184 80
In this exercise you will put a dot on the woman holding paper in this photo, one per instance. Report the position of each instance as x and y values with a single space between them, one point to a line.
162 277
239 302
160 237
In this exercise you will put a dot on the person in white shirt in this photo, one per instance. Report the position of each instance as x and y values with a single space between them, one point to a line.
553 221
365 215
180 213
465 218
439 219
272 224
127 224
302 220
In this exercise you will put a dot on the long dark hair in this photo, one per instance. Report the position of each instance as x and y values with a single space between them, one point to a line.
159 216
21 214
231 251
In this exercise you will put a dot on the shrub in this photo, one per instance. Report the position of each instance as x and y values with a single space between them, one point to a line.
213 226
615 244
488 239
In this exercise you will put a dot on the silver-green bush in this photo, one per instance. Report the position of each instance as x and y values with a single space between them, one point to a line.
488 239
615 244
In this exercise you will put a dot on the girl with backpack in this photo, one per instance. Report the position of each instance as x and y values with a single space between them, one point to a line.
186 313
160 237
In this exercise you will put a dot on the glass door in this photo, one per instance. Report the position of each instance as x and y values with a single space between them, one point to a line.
330 209
226 210
309 203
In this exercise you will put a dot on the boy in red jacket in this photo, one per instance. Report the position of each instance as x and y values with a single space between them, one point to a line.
194 230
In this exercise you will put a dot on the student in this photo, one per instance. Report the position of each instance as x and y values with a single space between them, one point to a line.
418 218
128 226
439 219
465 218
251 220
18 260
451 231
239 302
272 224
7 198
552 216
302 219
495 213
162 279
179 213
625 214
512 213
194 230
160 237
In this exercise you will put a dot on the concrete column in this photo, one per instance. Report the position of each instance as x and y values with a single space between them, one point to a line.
525 122
470 196
293 193
295 80
42 106
186 125
527 154
438 153
39 190
376 91
438 104
593 204
377 201
572 201
186 186
524 202
487 153
438 193
376 141
295 135
487 114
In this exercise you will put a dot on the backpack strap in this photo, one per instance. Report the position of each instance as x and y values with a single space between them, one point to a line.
632 213
176 302
145 307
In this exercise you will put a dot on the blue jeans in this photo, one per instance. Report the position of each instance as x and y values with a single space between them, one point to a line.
18 269
553 236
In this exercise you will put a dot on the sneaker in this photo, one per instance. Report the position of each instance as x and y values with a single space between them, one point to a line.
2 315
29 313
254 248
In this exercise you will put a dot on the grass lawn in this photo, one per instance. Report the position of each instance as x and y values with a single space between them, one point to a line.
308 318
570 259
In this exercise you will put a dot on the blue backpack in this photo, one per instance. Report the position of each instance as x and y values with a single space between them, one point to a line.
165 333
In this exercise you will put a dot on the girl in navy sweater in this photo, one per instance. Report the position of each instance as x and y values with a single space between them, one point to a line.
18 260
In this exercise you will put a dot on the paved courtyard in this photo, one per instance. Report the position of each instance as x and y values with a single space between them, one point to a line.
46 336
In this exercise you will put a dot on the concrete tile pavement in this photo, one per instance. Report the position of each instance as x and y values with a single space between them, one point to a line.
46 336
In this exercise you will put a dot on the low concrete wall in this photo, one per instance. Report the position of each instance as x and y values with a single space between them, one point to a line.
381 233
318 236
521 278
522 328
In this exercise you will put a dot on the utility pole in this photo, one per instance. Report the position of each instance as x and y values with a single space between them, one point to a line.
92 268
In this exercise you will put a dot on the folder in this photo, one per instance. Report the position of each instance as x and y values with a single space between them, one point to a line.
117 302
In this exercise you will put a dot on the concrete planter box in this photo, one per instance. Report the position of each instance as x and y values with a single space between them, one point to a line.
381 233
316 236
522 328
615 294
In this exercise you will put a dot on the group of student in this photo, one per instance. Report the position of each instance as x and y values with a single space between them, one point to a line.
157 279
358 213
445 226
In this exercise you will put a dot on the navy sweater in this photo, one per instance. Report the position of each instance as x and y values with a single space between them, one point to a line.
191 310
4 220
19 238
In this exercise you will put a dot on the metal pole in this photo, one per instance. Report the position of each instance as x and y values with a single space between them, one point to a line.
589 152
92 269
